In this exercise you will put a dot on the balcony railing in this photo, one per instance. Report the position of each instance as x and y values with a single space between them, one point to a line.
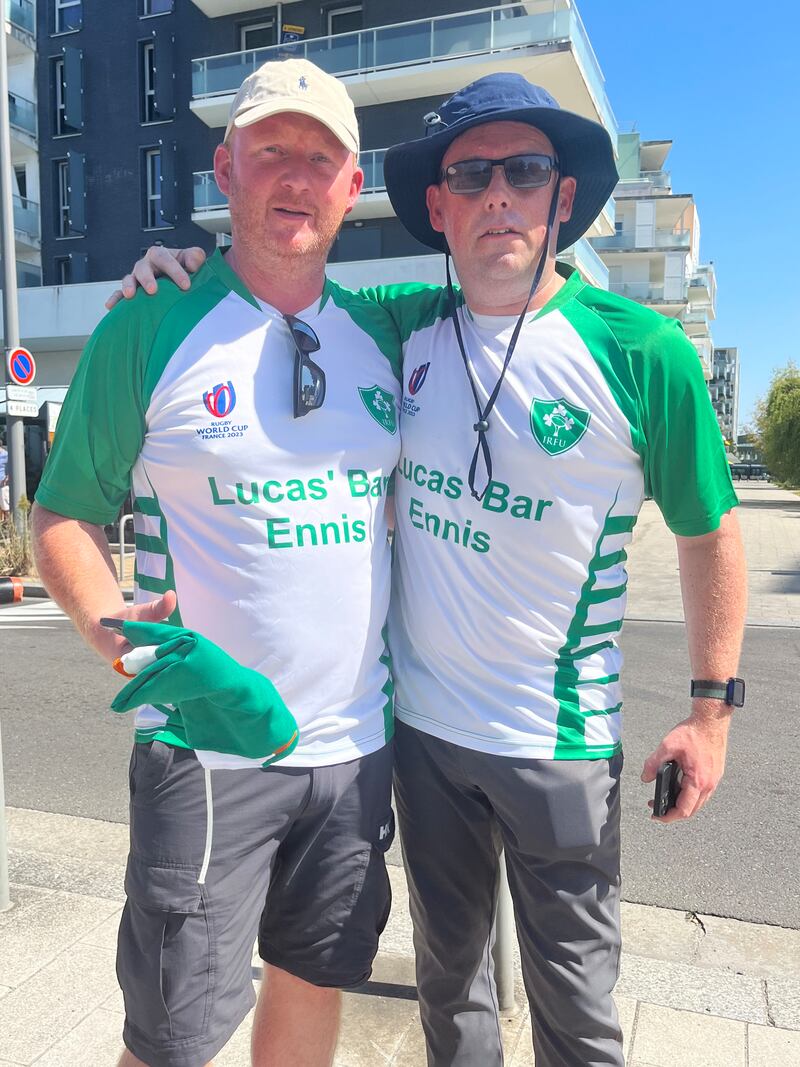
661 239
22 14
645 293
648 180
26 216
28 275
587 261
22 113
494 29
371 162
207 196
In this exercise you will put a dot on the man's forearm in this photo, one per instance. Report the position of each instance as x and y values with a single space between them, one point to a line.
714 588
74 563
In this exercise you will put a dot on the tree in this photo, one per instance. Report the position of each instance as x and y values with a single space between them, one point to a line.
778 422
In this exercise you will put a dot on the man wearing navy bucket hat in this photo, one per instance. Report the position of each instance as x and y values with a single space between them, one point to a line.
537 412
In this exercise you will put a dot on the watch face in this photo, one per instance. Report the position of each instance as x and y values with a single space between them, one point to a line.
735 695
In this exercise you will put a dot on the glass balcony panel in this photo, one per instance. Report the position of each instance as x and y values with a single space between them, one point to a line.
22 113
21 13
462 35
372 164
28 275
516 26
207 196
26 216
336 55
398 45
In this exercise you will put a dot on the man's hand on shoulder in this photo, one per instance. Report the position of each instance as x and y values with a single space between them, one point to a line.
158 261
699 745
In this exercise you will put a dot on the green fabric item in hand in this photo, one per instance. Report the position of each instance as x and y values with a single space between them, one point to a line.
224 706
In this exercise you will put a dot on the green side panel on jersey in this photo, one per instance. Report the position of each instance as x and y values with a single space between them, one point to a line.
571 720
656 379
388 688
102 425
370 317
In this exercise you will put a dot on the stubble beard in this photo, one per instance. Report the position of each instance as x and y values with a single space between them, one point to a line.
253 233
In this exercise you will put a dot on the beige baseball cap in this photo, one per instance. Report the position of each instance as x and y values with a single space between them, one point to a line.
296 85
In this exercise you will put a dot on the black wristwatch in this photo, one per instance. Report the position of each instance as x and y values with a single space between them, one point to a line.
730 692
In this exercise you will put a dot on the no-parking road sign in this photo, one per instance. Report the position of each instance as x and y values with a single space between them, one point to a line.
21 366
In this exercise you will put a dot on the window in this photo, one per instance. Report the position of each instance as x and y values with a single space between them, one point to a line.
259 35
156 7
152 183
345 19
21 176
68 99
62 270
63 227
69 15
149 113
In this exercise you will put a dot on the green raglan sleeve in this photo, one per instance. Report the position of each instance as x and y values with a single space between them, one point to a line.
102 423
686 469
412 306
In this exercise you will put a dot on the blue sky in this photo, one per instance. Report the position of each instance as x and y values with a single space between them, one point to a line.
720 80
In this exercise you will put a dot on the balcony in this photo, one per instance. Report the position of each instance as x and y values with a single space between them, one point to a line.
22 115
703 287
21 16
646 184
211 206
646 293
26 221
433 56
214 8
28 275
590 266
626 241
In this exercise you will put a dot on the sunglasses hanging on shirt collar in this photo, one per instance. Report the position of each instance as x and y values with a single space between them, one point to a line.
309 377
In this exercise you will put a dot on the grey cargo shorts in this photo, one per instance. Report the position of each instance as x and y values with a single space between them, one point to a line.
294 856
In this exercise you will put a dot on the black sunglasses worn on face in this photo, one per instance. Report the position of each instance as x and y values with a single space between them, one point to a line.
529 171
309 378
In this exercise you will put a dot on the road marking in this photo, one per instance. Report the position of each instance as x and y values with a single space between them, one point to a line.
15 617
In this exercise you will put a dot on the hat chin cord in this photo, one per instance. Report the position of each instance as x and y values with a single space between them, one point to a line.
481 427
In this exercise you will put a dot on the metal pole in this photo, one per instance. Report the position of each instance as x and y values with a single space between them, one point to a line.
15 438
503 952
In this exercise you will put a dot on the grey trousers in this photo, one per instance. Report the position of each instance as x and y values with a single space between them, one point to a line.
558 822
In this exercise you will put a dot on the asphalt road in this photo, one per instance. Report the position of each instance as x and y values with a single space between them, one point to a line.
64 751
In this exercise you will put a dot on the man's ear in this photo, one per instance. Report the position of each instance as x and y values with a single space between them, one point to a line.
356 185
566 198
222 168
433 198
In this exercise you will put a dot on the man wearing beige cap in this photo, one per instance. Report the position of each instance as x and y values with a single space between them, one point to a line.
254 420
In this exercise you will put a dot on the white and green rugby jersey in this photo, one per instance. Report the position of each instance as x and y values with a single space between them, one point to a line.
505 612
271 530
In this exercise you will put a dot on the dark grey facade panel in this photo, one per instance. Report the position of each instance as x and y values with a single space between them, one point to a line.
113 136
73 94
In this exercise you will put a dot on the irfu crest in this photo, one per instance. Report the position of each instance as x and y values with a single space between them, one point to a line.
381 406
558 425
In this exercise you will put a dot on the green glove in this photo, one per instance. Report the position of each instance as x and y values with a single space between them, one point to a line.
224 706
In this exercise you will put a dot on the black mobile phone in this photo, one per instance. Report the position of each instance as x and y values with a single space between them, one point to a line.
668 786
112 624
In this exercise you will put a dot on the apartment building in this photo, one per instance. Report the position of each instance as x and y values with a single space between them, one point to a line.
654 254
20 27
724 389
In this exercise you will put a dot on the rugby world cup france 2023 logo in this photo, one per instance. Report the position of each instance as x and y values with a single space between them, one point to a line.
221 400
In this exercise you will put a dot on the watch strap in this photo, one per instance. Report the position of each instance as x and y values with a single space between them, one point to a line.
731 691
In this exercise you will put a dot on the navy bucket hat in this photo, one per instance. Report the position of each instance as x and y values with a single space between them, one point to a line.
583 147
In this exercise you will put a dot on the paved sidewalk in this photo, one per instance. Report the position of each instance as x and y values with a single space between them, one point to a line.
770 522
693 989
